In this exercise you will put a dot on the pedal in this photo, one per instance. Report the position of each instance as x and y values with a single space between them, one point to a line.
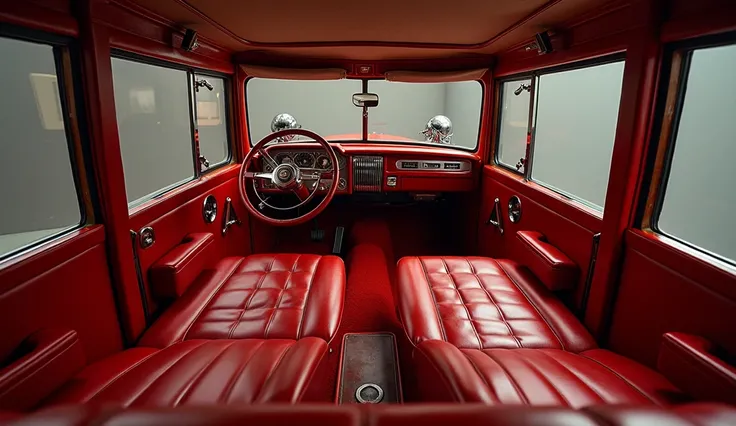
317 235
337 245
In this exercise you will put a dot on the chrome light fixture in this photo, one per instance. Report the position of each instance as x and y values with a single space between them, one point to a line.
284 121
438 130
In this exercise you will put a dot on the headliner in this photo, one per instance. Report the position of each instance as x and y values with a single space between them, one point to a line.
376 30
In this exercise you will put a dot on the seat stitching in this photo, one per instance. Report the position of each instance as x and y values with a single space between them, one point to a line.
201 373
434 299
169 367
460 295
234 378
483 377
631 385
500 312
556 361
273 370
306 299
536 308
235 324
281 295
508 376
544 378
209 299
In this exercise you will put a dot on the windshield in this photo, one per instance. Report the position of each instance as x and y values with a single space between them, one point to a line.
436 113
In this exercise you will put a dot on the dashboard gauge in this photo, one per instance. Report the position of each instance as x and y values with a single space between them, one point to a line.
323 162
267 167
283 158
304 159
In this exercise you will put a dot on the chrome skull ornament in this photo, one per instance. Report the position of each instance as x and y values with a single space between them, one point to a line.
284 121
438 130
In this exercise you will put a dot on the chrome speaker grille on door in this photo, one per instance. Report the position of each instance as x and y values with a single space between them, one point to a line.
367 173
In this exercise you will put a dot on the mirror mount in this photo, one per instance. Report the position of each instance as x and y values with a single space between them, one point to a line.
365 100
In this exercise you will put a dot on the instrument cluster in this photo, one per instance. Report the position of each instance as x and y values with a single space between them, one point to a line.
309 159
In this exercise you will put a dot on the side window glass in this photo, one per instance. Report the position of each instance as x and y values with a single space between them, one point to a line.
211 121
514 123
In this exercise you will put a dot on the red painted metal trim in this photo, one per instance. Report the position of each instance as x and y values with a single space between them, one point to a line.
56 18
575 212
240 120
641 72
17 270
711 21
100 101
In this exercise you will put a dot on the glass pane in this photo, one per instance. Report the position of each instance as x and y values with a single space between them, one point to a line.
38 191
212 120
404 109
324 107
514 110
576 118
152 108
700 199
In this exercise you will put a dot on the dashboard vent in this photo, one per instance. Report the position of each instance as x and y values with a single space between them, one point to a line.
367 173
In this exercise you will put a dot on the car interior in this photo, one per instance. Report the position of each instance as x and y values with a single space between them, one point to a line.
387 212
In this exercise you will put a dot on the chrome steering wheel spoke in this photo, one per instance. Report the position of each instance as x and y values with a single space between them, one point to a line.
258 175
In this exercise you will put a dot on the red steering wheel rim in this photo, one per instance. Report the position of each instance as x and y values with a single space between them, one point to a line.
307 216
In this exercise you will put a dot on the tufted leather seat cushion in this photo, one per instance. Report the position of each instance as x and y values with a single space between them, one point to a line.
199 372
538 377
263 296
480 303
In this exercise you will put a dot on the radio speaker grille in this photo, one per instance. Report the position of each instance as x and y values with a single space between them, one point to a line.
367 173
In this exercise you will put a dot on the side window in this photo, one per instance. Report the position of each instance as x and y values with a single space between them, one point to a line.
154 107
575 113
698 199
513 123
40 197
211 120
576 118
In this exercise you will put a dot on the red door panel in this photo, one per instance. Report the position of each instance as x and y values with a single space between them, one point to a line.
66 285
663 289
181 214
570 231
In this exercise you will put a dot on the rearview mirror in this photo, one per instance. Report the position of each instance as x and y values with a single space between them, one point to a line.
368 100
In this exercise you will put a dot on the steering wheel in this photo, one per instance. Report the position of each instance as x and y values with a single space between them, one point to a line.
287 177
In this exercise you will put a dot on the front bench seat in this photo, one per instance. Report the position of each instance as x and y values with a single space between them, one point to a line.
481 303
262 296
198 372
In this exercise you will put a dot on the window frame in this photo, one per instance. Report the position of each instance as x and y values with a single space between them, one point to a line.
365 82
66 52
191 96
669 103
534 76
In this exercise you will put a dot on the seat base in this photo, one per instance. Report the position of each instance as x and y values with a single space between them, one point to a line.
197 372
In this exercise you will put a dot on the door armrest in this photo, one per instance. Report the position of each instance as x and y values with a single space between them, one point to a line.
171 275
42 363
691 363
553 268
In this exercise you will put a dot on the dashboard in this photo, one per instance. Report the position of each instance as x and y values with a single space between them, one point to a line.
382 168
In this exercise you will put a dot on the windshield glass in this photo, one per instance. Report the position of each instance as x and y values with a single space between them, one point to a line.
436 113
445 113
323 106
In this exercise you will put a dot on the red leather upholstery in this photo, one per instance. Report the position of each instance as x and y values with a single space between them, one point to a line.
171 275
383 415
690 363
49 358
477 302
199 372
264 296
537 377
553 268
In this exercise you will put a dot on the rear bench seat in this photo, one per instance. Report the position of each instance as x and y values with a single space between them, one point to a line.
488 331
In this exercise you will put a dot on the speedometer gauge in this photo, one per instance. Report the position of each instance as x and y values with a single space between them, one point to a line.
304 159
323 162
283 159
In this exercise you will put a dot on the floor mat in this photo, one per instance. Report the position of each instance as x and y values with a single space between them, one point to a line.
369 369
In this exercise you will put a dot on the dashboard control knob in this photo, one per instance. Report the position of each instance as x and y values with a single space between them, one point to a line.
342 184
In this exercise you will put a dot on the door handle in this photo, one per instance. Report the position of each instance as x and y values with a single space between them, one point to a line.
496 219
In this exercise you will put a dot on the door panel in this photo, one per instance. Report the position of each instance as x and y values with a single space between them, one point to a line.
181 214
65 283
541 212
663 289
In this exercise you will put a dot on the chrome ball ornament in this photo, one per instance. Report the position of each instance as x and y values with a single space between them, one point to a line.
284 121
438 130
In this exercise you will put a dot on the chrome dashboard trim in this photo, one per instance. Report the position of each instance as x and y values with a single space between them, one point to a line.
436 165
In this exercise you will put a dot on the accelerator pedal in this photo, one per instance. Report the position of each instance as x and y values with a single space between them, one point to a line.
337 245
